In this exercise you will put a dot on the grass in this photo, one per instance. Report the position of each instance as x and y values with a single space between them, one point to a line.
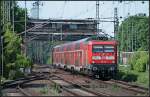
115 88
54 89
44 90
49 60
138 78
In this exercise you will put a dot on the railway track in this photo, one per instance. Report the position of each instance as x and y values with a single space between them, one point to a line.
124 85
25 93
14 92
14 88
76 85
74 88
69 86
16 82
130 86
133 89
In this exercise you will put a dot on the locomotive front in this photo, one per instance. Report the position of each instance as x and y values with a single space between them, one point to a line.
103 58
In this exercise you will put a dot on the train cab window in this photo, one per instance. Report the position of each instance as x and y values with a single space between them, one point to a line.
109 48
97 48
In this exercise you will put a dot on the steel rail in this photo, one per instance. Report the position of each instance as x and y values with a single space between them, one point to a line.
66 89
124 86
131 86
23 91
84 88
125 83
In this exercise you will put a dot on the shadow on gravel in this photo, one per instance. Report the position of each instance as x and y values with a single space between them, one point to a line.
126 77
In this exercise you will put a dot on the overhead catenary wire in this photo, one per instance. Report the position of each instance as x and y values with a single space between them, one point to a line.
106 18
122 34
84 12
63 9
62 17
102 15
97 16
122 38
13 19
129 29
88 10
25 29
134 29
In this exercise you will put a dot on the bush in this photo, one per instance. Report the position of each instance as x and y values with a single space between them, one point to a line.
143 79
22 61
14 74
132 61
138 61
140 65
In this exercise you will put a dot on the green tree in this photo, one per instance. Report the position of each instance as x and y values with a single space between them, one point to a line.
11 48
19 17
133 33
13 59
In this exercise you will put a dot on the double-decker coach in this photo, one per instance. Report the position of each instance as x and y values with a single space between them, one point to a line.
89 55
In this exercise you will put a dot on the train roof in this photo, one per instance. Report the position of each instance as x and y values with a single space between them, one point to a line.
78 41
93 38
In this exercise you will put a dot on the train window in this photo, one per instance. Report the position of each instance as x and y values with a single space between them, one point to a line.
97 48
68 48
77 46
62 48
58 49
109 48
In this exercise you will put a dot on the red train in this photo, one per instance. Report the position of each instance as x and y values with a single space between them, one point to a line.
91 56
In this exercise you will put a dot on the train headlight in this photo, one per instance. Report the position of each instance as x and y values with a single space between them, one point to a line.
110 57
96 57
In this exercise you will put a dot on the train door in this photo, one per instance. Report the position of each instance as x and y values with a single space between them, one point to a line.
80 58
65 58
77 60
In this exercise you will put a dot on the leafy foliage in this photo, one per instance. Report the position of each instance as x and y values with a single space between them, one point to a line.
11 45
40 51
23 61
13 59
133 76
19 15
133 33
139 60
133 59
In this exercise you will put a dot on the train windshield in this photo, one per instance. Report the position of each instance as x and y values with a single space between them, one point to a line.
97 48
109 48
104 48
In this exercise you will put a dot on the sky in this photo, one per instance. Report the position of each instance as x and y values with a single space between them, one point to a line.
87 9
